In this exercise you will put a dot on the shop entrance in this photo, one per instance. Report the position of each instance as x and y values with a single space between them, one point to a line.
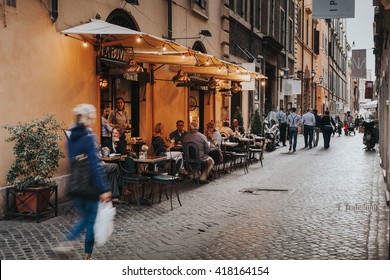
128 90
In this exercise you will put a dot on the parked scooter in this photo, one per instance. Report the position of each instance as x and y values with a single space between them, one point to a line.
271 134
369 137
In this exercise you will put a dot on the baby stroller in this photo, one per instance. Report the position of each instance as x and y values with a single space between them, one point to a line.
351 128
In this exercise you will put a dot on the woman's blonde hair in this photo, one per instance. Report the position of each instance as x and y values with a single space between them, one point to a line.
158 128
85 114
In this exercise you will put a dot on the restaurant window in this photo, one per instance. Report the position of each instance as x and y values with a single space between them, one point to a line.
291 36
282 33
299 22
257 14
11 3
271 17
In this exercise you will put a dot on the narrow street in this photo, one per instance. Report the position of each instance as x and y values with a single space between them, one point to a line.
313 204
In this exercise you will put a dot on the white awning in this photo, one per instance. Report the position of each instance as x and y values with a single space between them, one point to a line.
146 48
370 105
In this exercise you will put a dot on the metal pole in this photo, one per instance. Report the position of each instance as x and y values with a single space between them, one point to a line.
169 19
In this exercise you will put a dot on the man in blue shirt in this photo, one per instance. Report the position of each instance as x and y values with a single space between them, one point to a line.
282 125
308 121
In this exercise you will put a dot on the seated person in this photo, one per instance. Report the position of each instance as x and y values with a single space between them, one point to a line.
179 133
215 139
115 180
163 146
238 130
200 141
117 145
225 130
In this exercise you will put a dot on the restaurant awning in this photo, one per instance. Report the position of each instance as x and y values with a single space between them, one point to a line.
146 48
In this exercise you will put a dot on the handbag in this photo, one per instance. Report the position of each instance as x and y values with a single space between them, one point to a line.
80 183
104 223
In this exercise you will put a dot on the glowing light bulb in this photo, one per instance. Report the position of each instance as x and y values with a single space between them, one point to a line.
85 44
139 40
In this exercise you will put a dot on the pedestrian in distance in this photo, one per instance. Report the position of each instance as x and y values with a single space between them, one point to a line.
282 125
308 121
293 121
327 129
317 128
83 142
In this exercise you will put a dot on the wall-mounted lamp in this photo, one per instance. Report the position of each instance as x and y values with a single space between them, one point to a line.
103 83
235 88
180 77
134 67
263 82
313 73
212 83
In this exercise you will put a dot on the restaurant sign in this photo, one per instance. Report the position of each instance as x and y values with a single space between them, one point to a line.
369 90
291 86
333 9
114 54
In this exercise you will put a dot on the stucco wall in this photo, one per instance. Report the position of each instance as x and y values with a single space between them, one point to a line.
43 71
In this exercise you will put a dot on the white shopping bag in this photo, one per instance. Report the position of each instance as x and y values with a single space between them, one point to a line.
104 223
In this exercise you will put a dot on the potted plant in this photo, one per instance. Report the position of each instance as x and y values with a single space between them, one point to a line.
37 153
256 125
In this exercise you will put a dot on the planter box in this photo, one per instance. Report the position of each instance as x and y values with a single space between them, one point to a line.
33 202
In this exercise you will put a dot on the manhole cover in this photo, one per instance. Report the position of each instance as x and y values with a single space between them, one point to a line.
258 190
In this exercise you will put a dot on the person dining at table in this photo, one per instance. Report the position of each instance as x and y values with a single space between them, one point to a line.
179 133
161 145
237 129
200 141
225 130
117 145
215 139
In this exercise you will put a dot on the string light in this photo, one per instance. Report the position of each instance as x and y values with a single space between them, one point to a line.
85 44
139 40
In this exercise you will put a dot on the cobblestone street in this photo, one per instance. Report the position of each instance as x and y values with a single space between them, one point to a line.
313 204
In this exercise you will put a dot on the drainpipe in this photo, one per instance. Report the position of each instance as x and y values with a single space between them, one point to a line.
54 11
251 20
303 57
169 19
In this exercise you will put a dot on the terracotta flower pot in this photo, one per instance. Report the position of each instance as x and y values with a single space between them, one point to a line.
33 200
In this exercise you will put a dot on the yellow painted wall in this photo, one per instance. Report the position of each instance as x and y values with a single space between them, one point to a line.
43 71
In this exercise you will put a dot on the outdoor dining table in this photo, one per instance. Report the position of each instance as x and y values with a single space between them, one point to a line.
143 164
229 144
149 159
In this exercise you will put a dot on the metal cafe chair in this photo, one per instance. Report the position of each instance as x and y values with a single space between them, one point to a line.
131 178
193 162
169 180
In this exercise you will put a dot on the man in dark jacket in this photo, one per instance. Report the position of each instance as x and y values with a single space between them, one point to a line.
317 128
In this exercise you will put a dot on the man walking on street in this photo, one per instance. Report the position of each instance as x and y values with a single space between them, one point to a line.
293 120
282 125
308 121
317 128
